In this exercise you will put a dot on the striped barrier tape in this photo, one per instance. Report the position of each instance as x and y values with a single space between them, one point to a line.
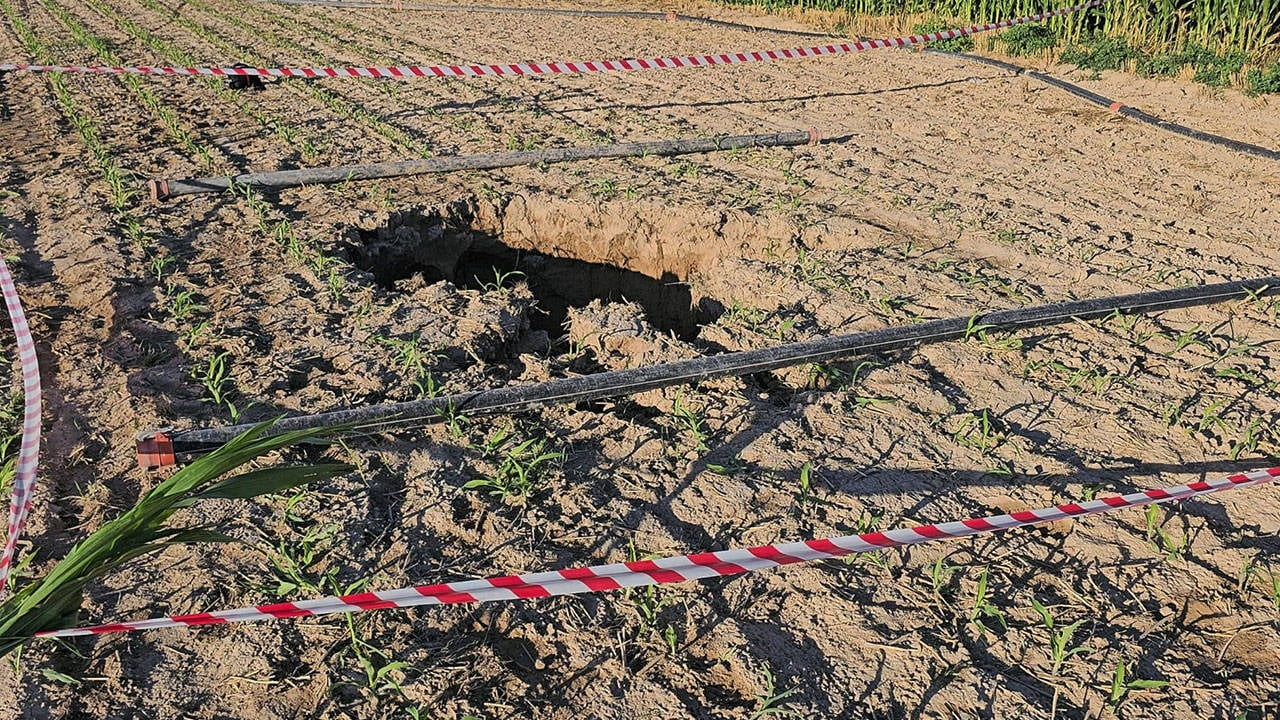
555 68
675 569
24 482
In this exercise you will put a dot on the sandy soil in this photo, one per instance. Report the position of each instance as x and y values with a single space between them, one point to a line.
945 188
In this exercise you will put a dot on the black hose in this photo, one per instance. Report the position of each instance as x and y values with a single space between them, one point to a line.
163 189
626 382
1118 107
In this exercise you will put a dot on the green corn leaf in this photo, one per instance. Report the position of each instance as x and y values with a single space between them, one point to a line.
269 480
54 600
1044 613
1117 683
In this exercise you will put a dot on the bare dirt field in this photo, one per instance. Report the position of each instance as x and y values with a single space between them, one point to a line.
945 188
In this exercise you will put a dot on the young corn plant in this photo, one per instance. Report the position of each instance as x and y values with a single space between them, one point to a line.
54 601
294 560
1161 541
940 573
1060 648
804 489
770 702
1269 579
378 676
520 471
982 431
649 602
1121 686
982 607
869 521
688 418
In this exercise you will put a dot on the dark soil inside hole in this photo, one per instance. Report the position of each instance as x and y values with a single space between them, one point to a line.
474 260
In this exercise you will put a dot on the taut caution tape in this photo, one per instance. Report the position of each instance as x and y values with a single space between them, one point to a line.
673 569
24 482
559 68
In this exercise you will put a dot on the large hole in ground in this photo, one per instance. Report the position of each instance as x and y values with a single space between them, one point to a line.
446 244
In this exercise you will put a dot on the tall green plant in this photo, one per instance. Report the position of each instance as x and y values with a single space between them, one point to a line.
54 601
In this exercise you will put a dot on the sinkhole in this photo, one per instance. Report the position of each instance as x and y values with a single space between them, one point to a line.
469 248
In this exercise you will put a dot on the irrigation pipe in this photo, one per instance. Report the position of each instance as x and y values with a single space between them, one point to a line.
1118 107
676 569
163 189
163 447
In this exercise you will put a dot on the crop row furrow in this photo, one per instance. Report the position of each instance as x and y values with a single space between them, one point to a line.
290 134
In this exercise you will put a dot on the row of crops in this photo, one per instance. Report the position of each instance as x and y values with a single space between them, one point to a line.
1216 42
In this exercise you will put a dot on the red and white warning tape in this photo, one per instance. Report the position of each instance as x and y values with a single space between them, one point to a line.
24 482
658 63
673 569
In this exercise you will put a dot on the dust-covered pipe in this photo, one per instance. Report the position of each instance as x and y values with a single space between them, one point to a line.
163 189
163 447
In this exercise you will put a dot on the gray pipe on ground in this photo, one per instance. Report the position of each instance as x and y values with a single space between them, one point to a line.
164 189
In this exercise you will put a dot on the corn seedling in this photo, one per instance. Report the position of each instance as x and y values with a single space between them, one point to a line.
520 472
54 601
1269 579
649 602
691 421
501 280
940 573
294 559
869 521
1121 685
193 332
214 375
981 431
181 304
982 607
1161 541
1248 442
1060 648
770 702
805 491
159 264
414 362
380 676
974 329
